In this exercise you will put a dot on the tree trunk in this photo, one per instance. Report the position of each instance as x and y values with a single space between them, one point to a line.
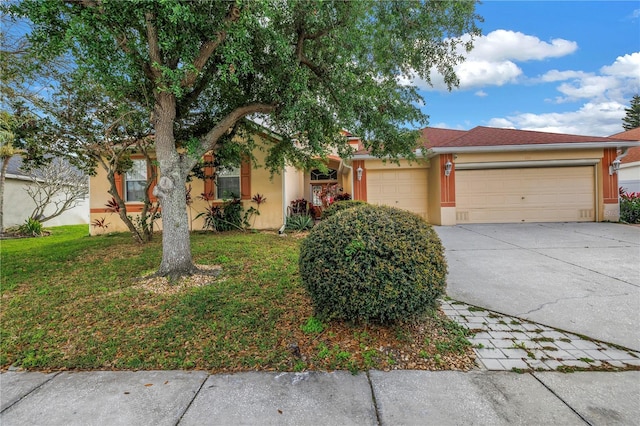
171 192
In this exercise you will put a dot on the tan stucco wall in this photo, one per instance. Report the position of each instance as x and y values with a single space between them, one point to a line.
271 212
375 164
347 179
294 184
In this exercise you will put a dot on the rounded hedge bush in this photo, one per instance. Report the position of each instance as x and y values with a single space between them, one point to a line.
373 264
338 206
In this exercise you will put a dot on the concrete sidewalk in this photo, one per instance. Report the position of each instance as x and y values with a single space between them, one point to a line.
317 398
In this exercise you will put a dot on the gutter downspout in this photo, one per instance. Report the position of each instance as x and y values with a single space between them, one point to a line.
284 201
624 153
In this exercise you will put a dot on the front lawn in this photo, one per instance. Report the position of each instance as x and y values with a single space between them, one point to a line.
70 301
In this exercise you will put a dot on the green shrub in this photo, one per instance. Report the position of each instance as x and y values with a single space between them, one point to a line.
31 227
299 222
227 216
338 206
629 207
373 264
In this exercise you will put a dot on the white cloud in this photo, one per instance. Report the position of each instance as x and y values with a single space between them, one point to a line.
615 82
479 73
594 119
589 87
481 93
604 96
625 66
555 75
492 62
502 45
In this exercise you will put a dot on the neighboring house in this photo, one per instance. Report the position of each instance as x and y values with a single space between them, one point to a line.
18 205
489 175
629 173
484 175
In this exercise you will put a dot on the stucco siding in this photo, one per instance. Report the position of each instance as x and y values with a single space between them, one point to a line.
261 182
629 177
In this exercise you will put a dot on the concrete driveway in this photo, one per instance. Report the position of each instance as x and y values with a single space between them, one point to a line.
579 277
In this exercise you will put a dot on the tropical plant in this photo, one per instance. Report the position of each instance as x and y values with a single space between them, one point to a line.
100 223
629 206
299 222
297 207
32 227
228 216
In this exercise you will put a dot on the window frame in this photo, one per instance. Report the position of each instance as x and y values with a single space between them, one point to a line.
230 173
126 180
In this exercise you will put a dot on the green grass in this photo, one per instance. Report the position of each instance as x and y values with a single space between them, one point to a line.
70 301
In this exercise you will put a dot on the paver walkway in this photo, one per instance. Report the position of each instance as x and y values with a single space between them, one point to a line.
502 342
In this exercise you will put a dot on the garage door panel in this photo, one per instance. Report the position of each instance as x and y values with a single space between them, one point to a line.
404 189
525 195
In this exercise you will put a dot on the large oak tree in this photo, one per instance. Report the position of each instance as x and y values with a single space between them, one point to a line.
307 68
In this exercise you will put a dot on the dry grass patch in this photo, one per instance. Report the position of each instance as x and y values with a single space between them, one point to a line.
76 302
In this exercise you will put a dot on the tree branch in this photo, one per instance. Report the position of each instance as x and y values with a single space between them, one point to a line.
302 37
209 141
208 47
152 41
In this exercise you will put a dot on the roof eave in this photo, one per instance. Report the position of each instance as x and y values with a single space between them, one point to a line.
533 147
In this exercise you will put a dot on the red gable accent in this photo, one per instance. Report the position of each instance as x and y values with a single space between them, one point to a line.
633 154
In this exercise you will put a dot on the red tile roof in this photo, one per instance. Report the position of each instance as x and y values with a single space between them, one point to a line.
633 154
481 136
433 136
489 136
629 135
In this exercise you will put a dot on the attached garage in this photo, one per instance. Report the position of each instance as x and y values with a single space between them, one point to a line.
543 194
491 175
402 188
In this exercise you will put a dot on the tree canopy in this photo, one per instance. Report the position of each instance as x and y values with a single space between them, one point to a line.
632 119
306 68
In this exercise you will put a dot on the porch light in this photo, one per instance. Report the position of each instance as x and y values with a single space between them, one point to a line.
359 172
614 167
447 168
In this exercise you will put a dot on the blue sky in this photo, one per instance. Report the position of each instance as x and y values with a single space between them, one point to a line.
556 66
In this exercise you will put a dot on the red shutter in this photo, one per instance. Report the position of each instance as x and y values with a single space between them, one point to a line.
245 180
119 184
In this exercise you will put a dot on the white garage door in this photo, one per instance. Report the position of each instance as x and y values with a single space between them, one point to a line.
555 194
404 188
